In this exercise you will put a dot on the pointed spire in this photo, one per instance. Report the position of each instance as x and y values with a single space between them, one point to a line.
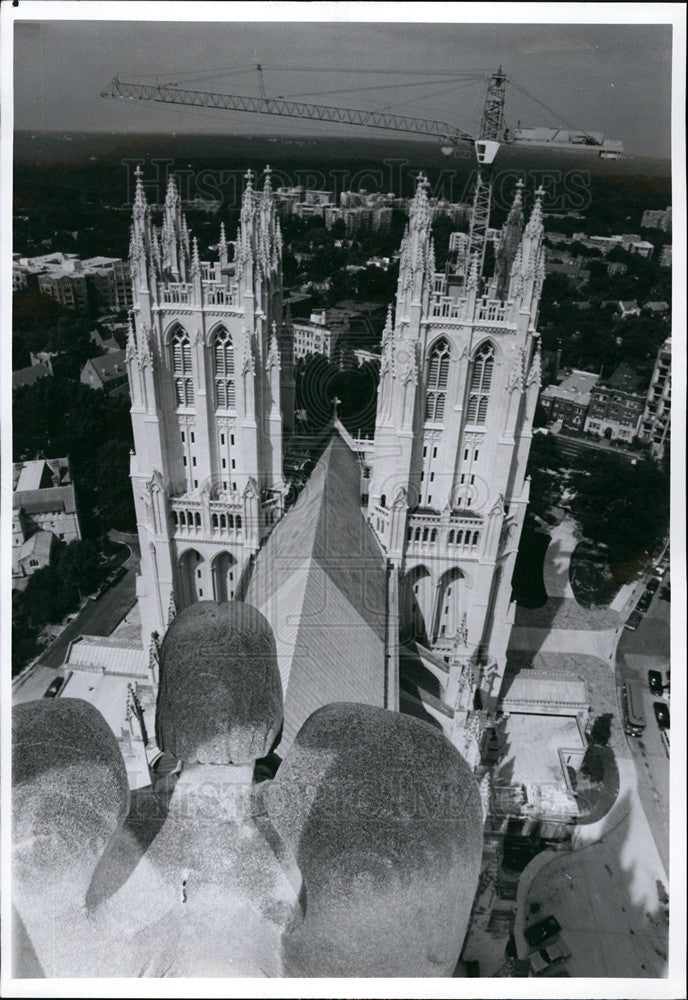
267 184
223 239
273 358
419 215
131 340
509 243
248 199
474 270
518 197
535 226
195 260
388 331
140 202
172 196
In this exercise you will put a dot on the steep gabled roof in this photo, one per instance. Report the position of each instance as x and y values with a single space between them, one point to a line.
321 582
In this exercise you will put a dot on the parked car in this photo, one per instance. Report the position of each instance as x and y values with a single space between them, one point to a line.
634 619
537 934
55 687
661 714
644 602
654 679
665 592
652 585
541 960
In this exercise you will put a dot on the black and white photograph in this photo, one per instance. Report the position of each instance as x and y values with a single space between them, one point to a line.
340 511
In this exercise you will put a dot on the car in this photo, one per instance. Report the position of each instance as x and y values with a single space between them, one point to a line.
654 680
634 619
537 934
644 602
541 959
665 592
661 714
652 585
55 687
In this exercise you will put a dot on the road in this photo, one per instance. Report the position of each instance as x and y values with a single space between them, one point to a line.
648 648
99 617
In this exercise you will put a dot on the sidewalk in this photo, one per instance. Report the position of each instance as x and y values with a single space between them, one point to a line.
609 893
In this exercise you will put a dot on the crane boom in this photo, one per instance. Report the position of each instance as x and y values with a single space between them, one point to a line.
294 109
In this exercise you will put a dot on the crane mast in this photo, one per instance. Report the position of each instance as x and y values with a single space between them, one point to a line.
487 145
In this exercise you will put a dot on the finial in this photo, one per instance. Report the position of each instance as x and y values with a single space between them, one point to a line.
195 262
249 177
223 238
140 195
518 197
172 193
535 221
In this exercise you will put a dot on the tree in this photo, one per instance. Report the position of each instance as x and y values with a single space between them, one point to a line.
46 598
621 506
78 566
593 764
601 730
23 634
114 493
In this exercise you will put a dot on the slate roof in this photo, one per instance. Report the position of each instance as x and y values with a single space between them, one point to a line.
108 367
539 687
38 545
117 656
321 582
30 375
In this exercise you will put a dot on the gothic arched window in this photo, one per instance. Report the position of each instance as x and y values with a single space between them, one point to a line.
438 376
224 370
182 368
481 380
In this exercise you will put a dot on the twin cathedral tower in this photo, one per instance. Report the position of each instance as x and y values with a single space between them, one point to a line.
210 366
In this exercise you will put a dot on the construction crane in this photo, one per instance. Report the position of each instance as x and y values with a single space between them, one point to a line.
486 145
491 134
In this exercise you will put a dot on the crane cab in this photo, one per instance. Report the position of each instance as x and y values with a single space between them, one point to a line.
486 150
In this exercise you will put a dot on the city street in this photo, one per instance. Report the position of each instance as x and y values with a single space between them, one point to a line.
648 648
98 617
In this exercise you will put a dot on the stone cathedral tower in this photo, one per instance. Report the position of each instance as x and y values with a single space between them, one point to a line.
209 362
459 380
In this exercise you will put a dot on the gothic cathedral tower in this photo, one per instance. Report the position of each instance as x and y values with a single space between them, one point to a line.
209 362
459 381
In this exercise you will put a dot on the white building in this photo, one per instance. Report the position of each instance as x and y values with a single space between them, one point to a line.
459 380
209 362
43 510
655 424
318 336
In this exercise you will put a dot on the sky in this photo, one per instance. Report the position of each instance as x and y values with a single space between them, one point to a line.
609 78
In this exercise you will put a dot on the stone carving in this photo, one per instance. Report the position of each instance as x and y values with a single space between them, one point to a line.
211 874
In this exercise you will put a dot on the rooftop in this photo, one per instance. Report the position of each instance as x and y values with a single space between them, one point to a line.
38 545
29 375
104 653
109 366
321 582
41 474
575 387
